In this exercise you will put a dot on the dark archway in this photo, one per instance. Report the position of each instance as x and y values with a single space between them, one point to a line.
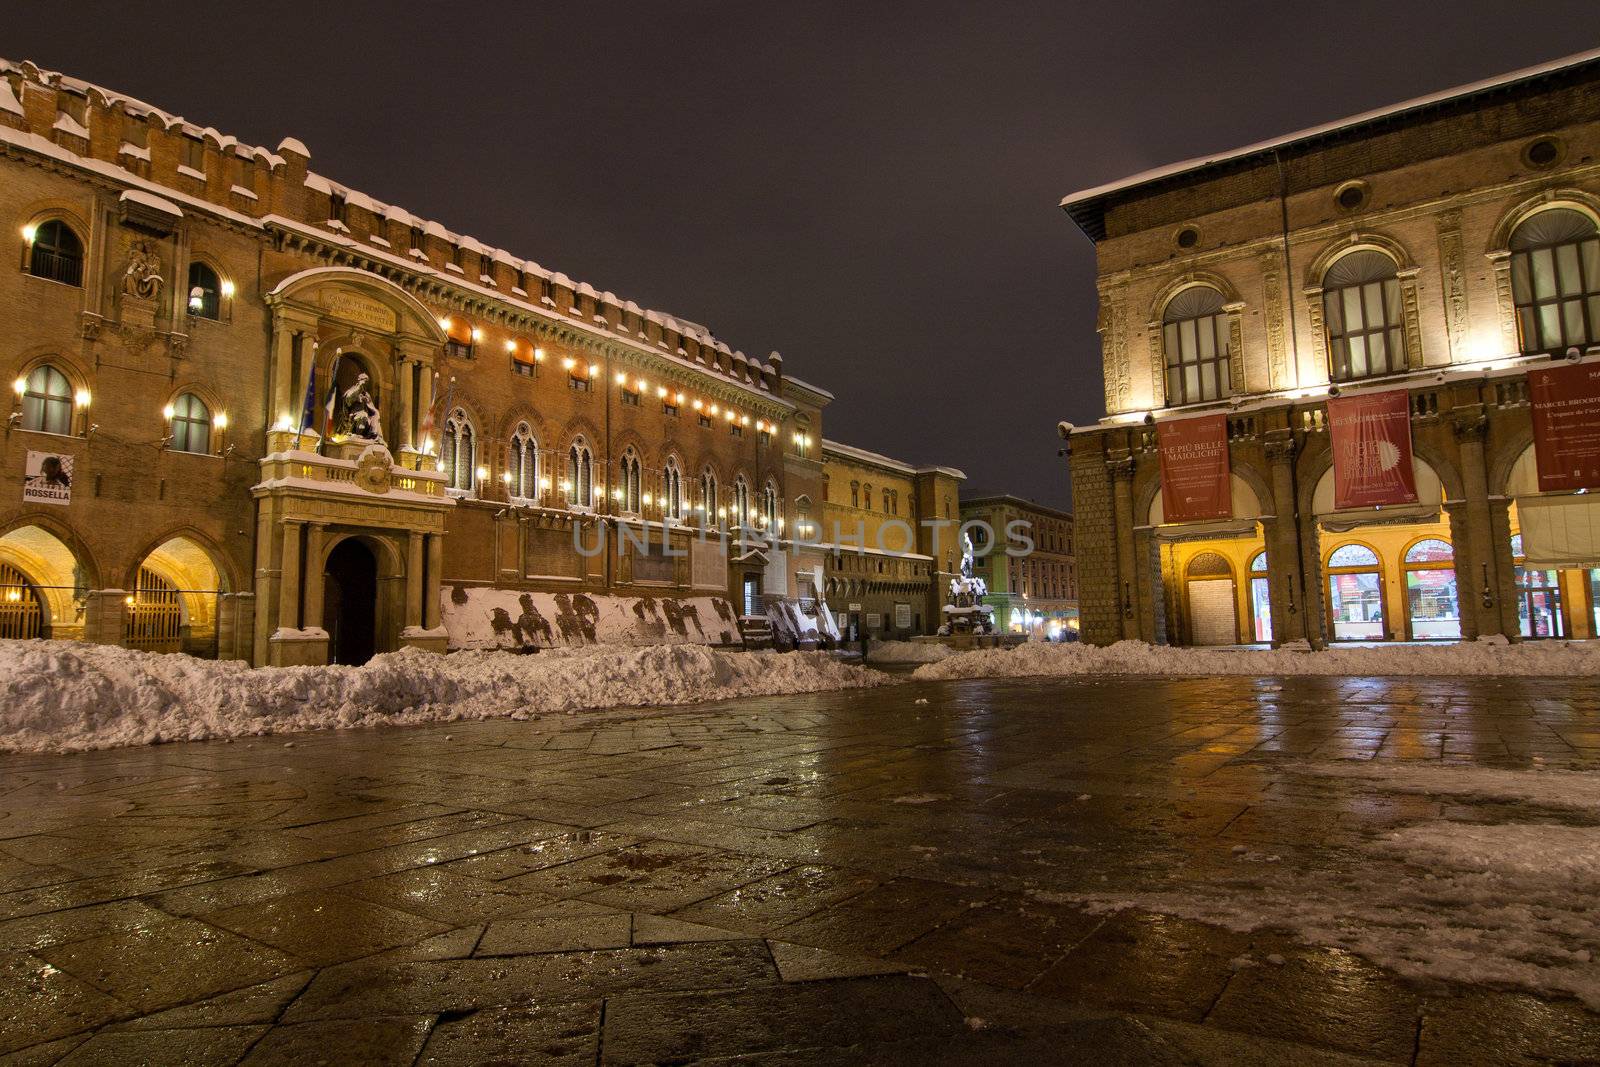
349 602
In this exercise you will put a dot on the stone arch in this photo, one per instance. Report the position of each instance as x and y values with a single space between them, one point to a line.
1503 465
62 532
412 317
1148 491
68 211
1337 249
58 567
1517 214
386 549
1189 280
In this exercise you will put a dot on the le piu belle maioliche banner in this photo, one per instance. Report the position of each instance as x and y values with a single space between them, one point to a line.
1566 425
1195 486
1371 436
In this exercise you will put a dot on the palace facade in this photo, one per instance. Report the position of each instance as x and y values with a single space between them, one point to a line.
1034 592
1437 251
181 307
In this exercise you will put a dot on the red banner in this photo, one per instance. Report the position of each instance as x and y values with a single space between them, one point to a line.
1371 436
1195 486
1566 425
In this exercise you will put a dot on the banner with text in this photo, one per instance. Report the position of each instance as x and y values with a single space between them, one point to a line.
47 478
1566 425
1195 482
1371 436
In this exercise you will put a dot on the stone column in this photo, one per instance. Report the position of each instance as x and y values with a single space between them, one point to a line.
1502 580
316 534
414 580
406 372
1476 559
105 617
284 402
1122 526
1285 576
289 587
430 589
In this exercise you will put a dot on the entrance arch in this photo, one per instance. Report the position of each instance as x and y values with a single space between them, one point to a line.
350 602
43 585
1213 615
177 588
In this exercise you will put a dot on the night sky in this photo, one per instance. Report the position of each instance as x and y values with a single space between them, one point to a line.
869 188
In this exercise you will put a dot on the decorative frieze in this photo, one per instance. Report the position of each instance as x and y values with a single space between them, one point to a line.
1453 272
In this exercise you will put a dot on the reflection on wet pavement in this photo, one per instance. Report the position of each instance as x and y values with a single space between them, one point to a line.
1009 872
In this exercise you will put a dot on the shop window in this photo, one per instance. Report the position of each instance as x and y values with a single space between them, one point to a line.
1260 599
1355 594
55 252
46 401
1555 280
1538 597
1433 608
1195 341
1361 308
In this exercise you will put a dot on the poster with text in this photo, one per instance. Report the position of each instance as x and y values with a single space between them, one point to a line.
1371 436
47 478
1566 425
1195 483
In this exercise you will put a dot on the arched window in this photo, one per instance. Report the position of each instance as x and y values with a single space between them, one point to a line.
866 495
855 494
205 291
190 425
1555 280
626 492
1355 594
1433 610
672 489
46 401
708 497
1361 306
888 507
579 485
1195 340
804 526
741 502
458 452
769 508
1260 599
56 253
524 468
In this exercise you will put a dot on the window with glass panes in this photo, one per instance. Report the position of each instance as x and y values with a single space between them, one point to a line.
524 467
47 401
1555 280
1195 341
1361 308
191 425
456 452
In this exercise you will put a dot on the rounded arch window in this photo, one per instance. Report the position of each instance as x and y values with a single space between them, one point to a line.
1353 556
190 425
1555 280
205 291
1355 594
458 452
1362 310
55 252
46 400
524 465
1209 565
1258 563
1196 344
1433 605
1430 550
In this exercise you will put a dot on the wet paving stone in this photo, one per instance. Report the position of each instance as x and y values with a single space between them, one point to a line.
1008 873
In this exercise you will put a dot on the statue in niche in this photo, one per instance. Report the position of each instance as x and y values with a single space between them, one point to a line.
361 417
142 278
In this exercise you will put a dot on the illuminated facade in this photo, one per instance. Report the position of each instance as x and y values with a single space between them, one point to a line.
1441 247
1033 593
169 483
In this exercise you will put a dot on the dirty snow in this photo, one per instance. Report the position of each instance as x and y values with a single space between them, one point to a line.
907 652
1483 657
1482 902
67 696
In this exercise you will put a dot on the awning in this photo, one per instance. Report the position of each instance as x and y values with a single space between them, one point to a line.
1560 531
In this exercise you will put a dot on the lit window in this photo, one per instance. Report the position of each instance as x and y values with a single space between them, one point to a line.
1195 343
580 475
457 452
205 291
47 401
191 425
628 483
56 253
741 502
1555 280
524 468
1361 306
672 490
708 497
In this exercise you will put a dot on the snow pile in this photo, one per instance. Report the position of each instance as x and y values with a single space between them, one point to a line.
1474 902
1483 657
907 652
66 696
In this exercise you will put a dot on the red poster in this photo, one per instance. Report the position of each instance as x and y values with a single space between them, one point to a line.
1195 486
1566 425
1371 436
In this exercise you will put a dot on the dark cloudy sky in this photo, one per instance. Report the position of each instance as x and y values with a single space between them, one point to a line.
870 188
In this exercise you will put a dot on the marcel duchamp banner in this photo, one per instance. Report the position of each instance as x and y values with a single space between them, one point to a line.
1566 425
1371 436
1195 486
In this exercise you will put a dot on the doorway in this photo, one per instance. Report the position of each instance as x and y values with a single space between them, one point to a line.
349 602
752 595
1213 618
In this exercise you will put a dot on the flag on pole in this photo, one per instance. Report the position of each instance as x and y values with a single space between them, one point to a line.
331 406
308 407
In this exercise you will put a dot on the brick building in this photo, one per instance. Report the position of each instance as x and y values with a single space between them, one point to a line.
175 292
1034 592
889 535
1442 247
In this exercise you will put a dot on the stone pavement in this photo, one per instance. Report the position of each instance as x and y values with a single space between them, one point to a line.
847 877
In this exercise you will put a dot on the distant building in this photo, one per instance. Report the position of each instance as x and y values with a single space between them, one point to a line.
890 542
1399 280
1034 592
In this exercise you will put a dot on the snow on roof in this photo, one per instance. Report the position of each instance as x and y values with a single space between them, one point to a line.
290 144
1351 122
152 201
8 98
878 459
